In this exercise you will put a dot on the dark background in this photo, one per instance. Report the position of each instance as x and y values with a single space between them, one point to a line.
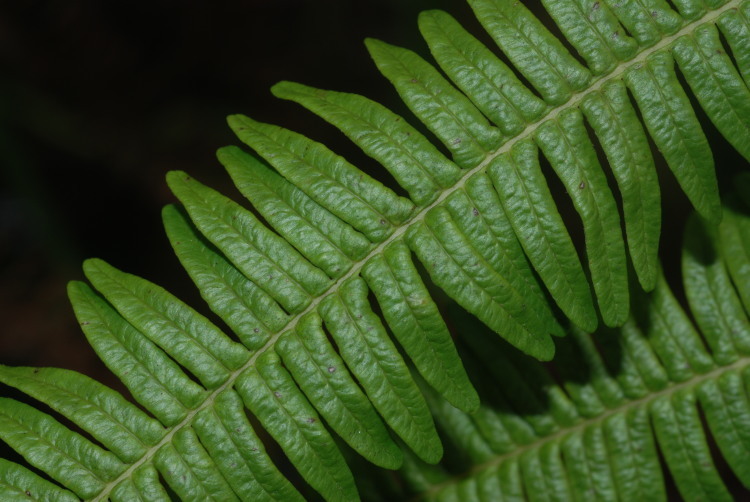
98 100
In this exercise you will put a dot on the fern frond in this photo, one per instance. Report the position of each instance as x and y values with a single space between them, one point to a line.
337 262
594 426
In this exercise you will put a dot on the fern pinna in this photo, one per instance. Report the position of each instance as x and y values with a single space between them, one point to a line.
337 273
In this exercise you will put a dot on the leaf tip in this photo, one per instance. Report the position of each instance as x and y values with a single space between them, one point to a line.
226 152
237 121
432 453
174 175
285 88
546 352
430 16
75 286
375 46
391 457
92 265
471 401
170 214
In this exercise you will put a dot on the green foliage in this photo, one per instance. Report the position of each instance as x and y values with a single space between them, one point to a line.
408 330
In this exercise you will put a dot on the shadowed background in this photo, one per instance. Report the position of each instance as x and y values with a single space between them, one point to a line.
98 100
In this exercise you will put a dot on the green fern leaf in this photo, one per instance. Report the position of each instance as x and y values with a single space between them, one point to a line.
335 184
326 241
324 379
416 323
735 28
183 333
676 131
539 56
106 415
719 312
567 147
448 113
155 380
717 85
520 184
381 371
270 393
251 312
628 390
239 454
19 484
48 445
335 328
143 483
412 160
189 471
610 114
486 80
735 248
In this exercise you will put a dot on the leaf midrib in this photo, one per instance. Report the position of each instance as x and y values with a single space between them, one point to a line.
574 101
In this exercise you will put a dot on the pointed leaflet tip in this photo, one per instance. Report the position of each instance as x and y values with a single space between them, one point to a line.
93 265
231 153
75 290
374 45
172 214
293 91
169 211
544 349
227 152
285 88
174 177
235 121
431 16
